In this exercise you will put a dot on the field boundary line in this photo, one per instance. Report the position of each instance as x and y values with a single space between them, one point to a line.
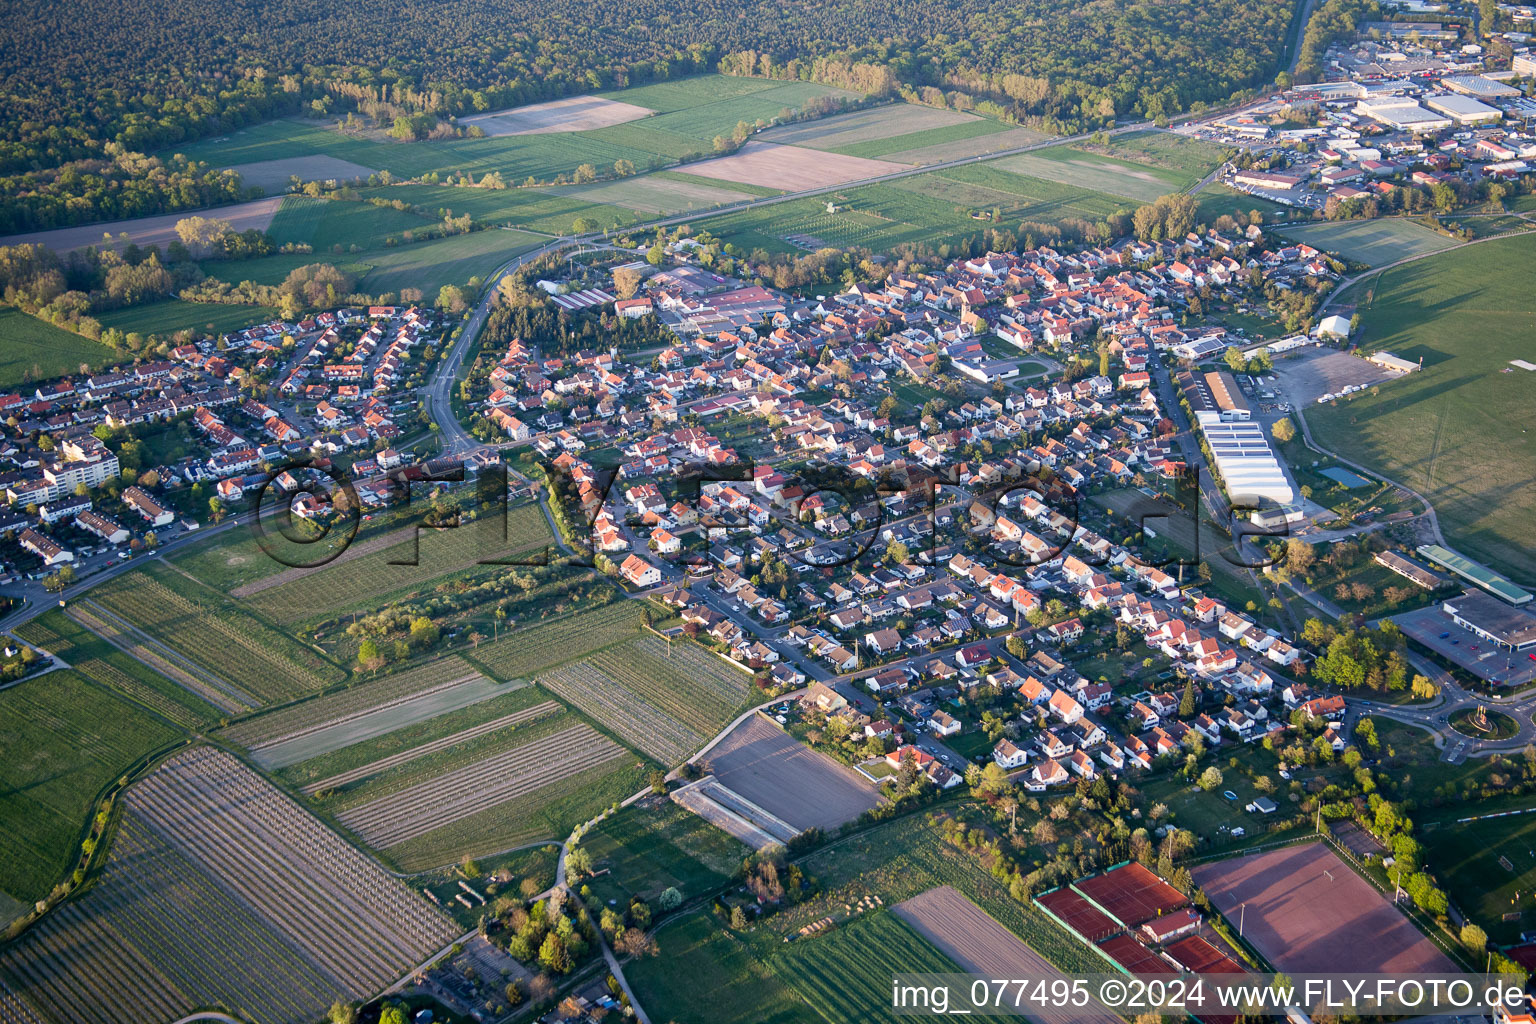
310 729
205 684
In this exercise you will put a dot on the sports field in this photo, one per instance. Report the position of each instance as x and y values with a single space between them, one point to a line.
31 349
1488 867
1373 242
1461 431
1307 910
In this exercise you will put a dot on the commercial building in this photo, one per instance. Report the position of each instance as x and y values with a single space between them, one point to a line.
1388 361
1403 113
1493 620
1248 466
1476 572
1464 109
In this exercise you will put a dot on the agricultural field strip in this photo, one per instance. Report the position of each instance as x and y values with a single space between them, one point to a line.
157 899
322 712
346 914
516 718
671 689
156 656
107 674
355 551
45 965
14 1009
315 591
368 709
542 646
418 810
257 657
625 712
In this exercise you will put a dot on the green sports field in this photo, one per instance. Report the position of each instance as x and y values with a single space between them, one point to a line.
1373 242
1471 858
1462 431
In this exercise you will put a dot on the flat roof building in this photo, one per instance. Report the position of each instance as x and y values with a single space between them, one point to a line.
1493 620
1403 113
1388 361
1480 574
1464 109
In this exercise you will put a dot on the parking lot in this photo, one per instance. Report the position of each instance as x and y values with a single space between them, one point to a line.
1479 656
1319 372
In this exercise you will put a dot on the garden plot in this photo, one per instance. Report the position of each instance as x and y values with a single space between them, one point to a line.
625 712
883 122
571 114
790 168
272 176
374 695
423 808
221 891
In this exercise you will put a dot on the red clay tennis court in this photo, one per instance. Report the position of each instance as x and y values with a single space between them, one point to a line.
1196 954
1082 917
1131 894
1135 958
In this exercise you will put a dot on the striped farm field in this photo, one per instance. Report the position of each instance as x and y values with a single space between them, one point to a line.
359 761
619 708
97 660
384 572
544 645
844 133
848 970
684 682
458 794
385 780
237 897
215 633
360 699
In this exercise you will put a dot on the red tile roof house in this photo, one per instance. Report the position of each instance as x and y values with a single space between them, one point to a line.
640 572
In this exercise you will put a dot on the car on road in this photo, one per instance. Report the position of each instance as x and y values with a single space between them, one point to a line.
1445 634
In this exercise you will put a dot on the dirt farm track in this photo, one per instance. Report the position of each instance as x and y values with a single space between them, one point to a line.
1308 912
977 944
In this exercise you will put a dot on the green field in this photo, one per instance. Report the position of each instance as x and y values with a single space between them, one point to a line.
1194 157
1372 242
931 208
393 744
62 741
165 318
34 350
550 210
377 569
1460 430
1074 167
1470 858
305 220
549 812
100 662
690 114
544 645
755 976
652 846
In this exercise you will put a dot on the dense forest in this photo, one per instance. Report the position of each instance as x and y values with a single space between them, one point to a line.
147 76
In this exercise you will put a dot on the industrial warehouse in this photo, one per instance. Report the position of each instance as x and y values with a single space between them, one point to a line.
1240 453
